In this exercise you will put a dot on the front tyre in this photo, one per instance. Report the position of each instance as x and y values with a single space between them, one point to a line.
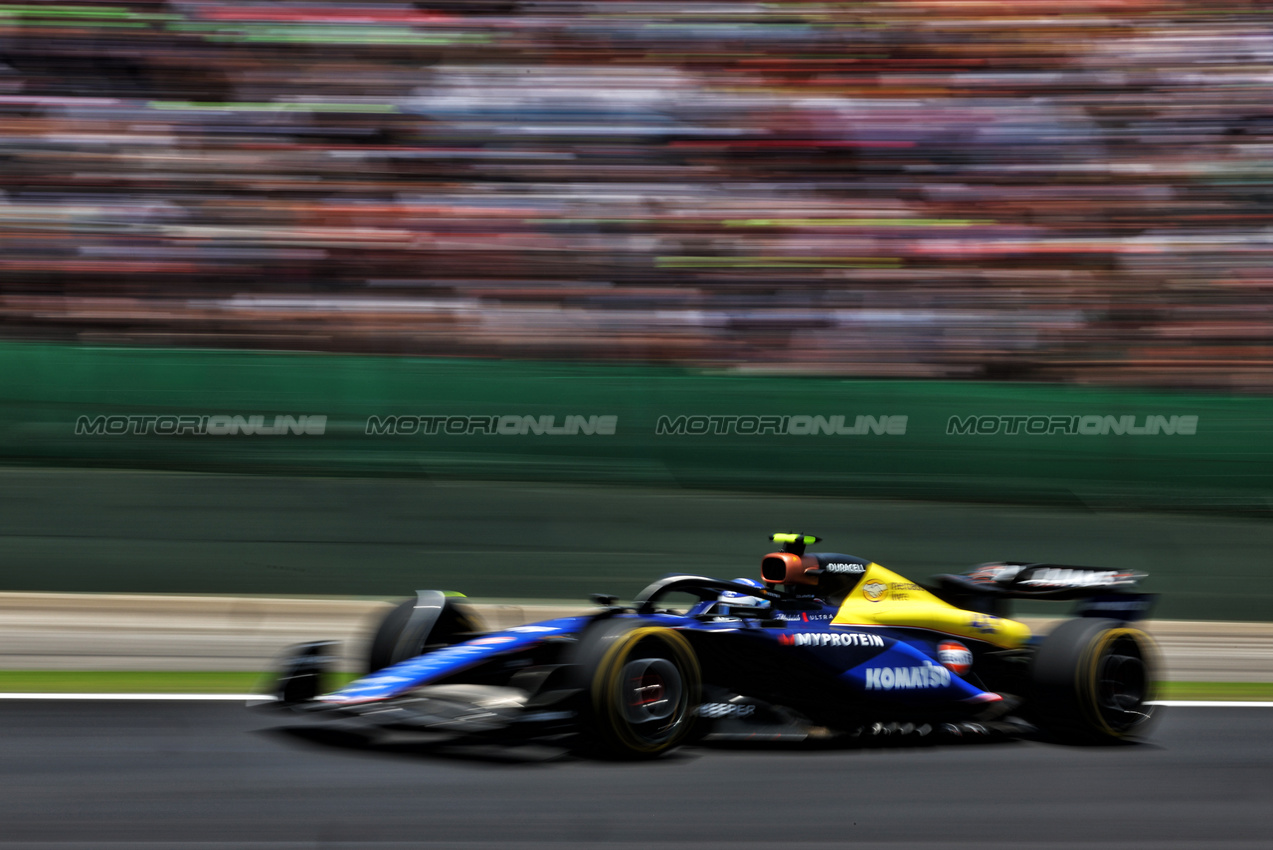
1093 680
643 687
416 626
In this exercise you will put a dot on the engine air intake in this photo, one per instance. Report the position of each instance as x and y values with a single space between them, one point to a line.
787 568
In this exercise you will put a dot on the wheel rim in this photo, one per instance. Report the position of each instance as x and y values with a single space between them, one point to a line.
652 692
1122 685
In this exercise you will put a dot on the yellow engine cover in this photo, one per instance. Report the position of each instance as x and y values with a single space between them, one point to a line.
884 598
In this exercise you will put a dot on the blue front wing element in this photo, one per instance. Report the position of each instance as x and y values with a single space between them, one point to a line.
423 669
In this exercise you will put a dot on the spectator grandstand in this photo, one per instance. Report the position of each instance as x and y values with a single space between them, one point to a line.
1071 190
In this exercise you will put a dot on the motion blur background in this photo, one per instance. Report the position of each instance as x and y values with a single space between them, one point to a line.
1071 190
511 206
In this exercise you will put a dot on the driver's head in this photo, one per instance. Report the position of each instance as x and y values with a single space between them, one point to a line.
730 597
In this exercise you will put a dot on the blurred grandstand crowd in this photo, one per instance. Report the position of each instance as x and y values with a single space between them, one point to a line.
1074 190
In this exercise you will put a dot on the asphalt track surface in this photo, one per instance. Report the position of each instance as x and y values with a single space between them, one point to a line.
196 775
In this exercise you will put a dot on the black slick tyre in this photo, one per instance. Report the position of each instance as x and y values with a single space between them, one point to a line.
415 626
641 686
1093 680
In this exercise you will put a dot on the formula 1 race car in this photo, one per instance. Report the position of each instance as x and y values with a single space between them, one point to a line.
825 645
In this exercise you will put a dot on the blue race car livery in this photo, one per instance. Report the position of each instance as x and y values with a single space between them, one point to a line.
825 645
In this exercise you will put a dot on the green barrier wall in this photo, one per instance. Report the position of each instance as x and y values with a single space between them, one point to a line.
1011 442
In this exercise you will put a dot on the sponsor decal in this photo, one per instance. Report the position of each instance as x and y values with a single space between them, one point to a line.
987 624
900 590
534 629
797 425
954 656
492 641
930 675
1059 577
845 568
875 590
213 425
1086 426
372 681
725 709
508 425
806 617
994 573
461 650
831 639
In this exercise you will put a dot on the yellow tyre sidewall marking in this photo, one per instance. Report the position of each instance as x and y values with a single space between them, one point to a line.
1087 684
607 683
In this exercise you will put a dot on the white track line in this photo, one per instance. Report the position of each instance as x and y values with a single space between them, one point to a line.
1202 703
1169 703
226 697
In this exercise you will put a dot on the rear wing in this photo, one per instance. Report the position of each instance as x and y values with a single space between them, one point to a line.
1105 591
1041 581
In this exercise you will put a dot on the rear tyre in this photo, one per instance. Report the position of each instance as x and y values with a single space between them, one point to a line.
1093 681
418 625
642 686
